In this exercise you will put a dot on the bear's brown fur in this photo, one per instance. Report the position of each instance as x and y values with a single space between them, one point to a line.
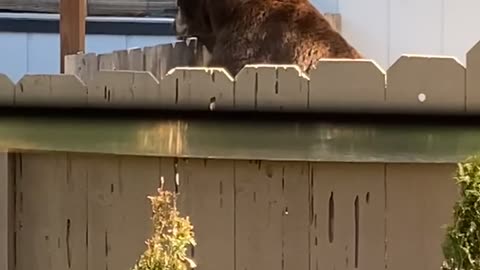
240 32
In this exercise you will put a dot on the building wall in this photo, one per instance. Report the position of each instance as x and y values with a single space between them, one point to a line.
385 29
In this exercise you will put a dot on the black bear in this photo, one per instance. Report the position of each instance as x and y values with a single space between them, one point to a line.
240 32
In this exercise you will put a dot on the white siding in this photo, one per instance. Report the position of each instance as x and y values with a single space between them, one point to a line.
461 22
385 29
415 27
368 32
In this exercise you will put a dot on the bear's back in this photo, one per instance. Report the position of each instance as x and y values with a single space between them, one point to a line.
276 32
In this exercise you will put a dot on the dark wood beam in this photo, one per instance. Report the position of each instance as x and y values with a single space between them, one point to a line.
72 28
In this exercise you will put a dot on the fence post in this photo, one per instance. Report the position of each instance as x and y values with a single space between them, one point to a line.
72 28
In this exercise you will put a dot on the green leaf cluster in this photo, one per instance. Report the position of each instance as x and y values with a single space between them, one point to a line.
172 235
461 247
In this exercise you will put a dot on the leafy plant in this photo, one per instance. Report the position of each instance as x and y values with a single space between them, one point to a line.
172 234
461 247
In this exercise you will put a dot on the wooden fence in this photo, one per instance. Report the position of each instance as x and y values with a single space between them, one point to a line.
79 211
90 211
143 78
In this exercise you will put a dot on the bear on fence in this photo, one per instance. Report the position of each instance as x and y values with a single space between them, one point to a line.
240 32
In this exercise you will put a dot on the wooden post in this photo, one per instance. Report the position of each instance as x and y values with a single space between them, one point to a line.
72 28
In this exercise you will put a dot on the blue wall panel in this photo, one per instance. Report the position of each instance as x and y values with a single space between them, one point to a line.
13 54
43 53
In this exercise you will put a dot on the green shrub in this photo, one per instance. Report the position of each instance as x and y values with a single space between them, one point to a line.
172 234
461 247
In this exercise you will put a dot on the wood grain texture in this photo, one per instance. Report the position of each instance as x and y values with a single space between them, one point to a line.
81 65
271 215
124 89
206 195
347 221
50 213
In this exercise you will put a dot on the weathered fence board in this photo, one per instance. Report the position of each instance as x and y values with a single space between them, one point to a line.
473 79
246 214
118 203
50 214
208 89
422 83
63 90
83 65
7 90
135 59
157 59
150 60
208 185
275 195
295 213
121 59
106 61
420 200
348 225
124 89
6 211
330 89
258 244
271 88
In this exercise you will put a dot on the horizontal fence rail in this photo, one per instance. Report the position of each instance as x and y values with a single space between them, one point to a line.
172 77
241 139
